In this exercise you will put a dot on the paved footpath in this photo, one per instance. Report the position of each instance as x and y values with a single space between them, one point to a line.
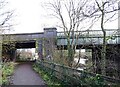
25 75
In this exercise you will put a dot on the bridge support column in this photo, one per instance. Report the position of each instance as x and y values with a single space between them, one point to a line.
8 53
49 43
40 49
113 61
118 61
14 54
96 59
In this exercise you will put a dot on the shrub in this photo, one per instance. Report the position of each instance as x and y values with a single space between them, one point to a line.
7 71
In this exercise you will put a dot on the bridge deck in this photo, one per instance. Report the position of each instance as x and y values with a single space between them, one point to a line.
85 37
91 37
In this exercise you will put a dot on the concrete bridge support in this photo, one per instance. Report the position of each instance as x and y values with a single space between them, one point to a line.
46 41
96 59
113 63
112 60
8 53
118 61
40 49
13 54
50 35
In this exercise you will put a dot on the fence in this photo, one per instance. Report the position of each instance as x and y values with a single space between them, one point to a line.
73 76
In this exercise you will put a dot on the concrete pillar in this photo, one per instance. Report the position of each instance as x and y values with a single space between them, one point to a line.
110 60
50 35
118 60
113 60
14 54
40 49
50 32
96 59
8 52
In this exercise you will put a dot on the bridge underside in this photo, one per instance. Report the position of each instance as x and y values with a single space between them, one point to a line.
9 51
25 45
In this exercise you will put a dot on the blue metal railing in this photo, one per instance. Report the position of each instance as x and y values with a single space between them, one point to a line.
91 33
91 37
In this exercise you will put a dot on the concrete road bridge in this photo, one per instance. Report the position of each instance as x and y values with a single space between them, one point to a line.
85 37
50 38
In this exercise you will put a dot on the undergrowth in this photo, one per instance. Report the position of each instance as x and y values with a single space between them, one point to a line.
47 77
6 71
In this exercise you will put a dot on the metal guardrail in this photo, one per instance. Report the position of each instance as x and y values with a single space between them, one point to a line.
89 40
71 75
92 33
90 37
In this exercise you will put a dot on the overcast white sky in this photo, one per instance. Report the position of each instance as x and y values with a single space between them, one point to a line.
30 16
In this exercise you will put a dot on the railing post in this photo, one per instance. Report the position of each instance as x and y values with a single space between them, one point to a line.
52 71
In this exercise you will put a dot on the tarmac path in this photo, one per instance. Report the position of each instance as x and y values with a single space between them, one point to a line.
25 75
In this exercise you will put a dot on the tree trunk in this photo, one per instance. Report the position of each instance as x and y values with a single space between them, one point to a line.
103 53
70 53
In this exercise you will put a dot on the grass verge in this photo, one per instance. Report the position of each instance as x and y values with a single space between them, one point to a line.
47 77
7 71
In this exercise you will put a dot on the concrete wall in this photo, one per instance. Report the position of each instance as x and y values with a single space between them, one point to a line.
49 43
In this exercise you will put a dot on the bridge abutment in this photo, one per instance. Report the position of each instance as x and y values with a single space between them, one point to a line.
112 60
40 49
96 59
50 35
8 52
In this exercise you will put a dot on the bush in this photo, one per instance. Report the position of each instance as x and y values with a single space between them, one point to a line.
7 71
51 82
96 81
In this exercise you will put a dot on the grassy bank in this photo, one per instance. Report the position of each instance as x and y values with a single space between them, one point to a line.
84 79
51 82
7 71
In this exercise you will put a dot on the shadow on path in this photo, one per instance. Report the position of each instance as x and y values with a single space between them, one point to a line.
25 75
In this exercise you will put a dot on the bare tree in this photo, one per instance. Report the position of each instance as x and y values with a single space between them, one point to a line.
5 21
5 16
105 11
69 13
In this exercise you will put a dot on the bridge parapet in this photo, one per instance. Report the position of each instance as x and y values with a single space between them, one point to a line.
48 33
85 37
89 41
92 33
22 37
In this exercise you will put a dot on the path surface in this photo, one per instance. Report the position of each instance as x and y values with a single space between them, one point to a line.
25 75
